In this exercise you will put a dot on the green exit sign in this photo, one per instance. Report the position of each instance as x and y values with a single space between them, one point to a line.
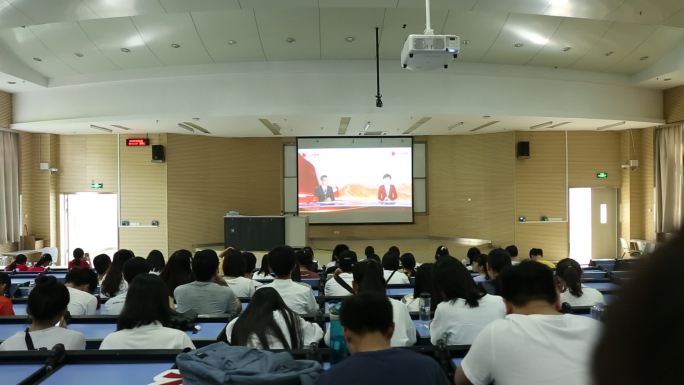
602 175
96 185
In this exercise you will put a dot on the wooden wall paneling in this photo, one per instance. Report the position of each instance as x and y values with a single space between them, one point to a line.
5 109
592 152
673 104
647 169
102 162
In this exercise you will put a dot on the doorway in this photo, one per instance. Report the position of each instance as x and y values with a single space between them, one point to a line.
593 227
88 221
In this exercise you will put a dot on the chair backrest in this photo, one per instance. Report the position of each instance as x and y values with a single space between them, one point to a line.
624 244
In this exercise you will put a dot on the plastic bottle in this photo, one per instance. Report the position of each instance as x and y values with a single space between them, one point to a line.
424 307
338 344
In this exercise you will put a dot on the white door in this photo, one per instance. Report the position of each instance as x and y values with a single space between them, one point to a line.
88 221
593 229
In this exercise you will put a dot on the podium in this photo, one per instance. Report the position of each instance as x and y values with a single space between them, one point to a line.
264 232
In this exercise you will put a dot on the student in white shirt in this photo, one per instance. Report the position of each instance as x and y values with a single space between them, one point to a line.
233 273
101 263
81 283
113 282
156 261
561 344
143 320
471 258
132 268
297 296
346 262
424 284
569 279
392 274
337 251
264 272
47 305
480 266
465 310
268 323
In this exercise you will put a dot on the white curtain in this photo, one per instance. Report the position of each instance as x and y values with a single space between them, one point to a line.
9 187
669 178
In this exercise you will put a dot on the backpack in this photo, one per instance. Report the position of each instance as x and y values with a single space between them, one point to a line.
222 364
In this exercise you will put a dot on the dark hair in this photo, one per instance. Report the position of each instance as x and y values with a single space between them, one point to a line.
135 267
265 268
101 263
257 320
78 253
472 254
233 263
390 261
394 250
82 276
309 251
338 249
454 281
571 273
146 302
536 251
482 261
374 257
387 176
408 261
205 265
178 270
48 299
7 280
498 260
512 250
442 251
425 281
323 176
369 251
20 259
304 259
45 259
250 261
369 277
156 261
347 260
112 281
366 312
282 260
528 281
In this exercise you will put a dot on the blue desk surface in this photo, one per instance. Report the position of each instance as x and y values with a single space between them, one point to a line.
399 291
15 373
602 286
19 308
456 362
423 328
108 374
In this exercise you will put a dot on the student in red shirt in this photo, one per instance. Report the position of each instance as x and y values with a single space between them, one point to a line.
5 303
80 260
43 263
19 264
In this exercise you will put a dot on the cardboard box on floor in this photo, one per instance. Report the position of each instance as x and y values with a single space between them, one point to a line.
30 242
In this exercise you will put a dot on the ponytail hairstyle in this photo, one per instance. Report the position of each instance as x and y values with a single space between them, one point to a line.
442 251
20 259
45 260
453 280
48 300
369 277
570 272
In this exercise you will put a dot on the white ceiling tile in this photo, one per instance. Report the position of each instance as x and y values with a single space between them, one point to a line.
11 16
518 6
120 8
217 28
41 11
533 31
277 25
657 45
338 24
110 35
646 11
463 5
399 23
480 28
586 9
270 4
198 5
620 39
357 3
161 31
27 46
578 34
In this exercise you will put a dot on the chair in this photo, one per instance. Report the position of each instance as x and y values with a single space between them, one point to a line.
627 249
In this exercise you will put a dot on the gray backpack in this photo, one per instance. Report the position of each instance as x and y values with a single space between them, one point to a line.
221 364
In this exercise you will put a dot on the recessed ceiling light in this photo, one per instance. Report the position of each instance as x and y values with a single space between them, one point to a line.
175 45
125 50
78 54
486 116
195 119
518 45
643 58
349 39
37 59
455 125
465 42
667 79
566 49
232 42
290 39
609 53
11 82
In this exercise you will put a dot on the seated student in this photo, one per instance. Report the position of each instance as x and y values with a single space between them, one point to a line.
19 264
442 251
368 328
498 260
80 260
43 263
144 319
333 287
424 284
297 296
569 278
512 250
465 311
471 257
132 268
268 323
233 274
205 296
306 268
408 264
480 266
101 263
47 306
369 252
6 308
81 283
264 272
561 344
537 255
178 271
337 250
250 263
113 282
392 274
156 261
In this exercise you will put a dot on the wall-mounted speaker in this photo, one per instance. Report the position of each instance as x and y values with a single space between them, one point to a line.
158 153
523 150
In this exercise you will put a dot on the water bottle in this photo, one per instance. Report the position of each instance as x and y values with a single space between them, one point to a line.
424 307
338 344
596 311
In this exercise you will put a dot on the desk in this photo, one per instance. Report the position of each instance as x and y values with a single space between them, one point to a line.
423 328
399 291
19 308
456 362
594 274
107 374
603 287
15 373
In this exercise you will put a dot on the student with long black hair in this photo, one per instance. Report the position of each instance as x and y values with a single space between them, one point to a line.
392 274
101 263
47 307
424 284
6 308
156 260
178 271
80 259
43 263
442 251
268 323
19 264
113 282
144 319
132 268
569 281
465 310
408 264
264 272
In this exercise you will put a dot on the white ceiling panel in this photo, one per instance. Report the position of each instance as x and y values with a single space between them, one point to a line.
532 31
657 45
198 5
620 39
216 29
646 11
359 24
676 20
270 4
41 11
27 46
519 6
462 5
275 26
399 23
161 31
480 29
578 34
120 8
586 9
110 35
357 3
66 40
11 16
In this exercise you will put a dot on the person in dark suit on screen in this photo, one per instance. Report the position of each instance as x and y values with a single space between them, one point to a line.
387 191
323 191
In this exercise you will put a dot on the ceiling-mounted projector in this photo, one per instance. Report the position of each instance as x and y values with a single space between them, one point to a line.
429 51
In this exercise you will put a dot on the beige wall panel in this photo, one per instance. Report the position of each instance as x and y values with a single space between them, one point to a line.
673 105
73 164
625 193
550 237
5 109
647 173
593 152
419 229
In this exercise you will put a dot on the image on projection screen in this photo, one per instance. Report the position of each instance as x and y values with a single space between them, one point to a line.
355 180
